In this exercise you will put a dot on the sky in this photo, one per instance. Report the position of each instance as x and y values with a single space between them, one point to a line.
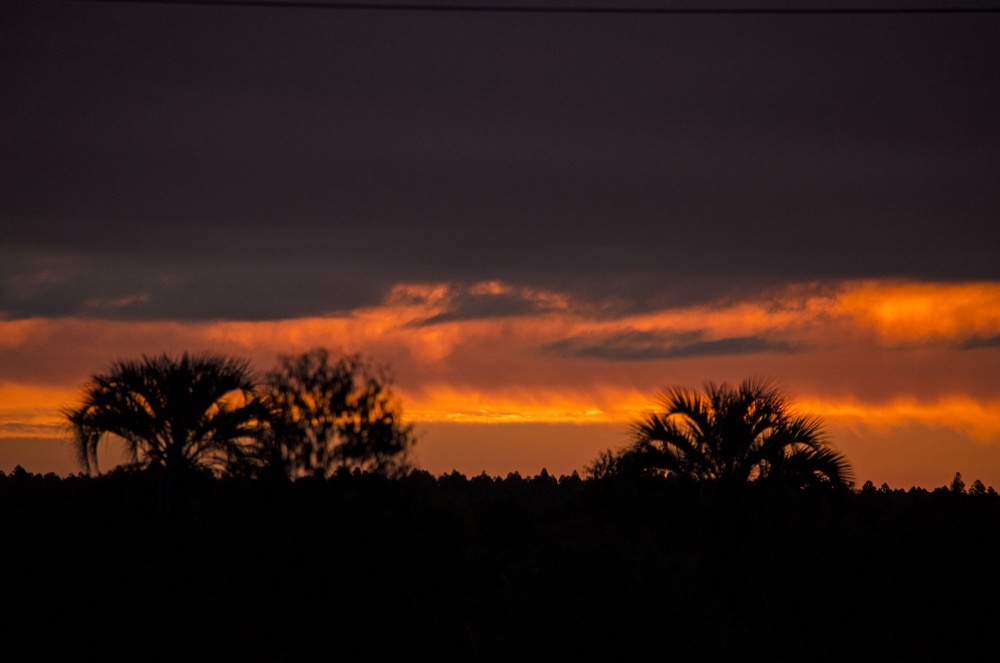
537 222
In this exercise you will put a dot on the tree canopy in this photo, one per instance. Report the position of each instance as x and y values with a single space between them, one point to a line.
729 435
179 413
330 414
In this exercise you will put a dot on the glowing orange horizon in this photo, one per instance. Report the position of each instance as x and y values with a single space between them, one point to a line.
39 409
874 354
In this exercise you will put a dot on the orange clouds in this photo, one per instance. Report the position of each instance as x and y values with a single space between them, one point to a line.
447 404
32 411
883 354
977 420
920 311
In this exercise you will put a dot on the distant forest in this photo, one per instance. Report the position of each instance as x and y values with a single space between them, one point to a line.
360 566
286 524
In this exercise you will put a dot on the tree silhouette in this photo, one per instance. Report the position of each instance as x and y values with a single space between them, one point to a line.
187 414
730 435
332 415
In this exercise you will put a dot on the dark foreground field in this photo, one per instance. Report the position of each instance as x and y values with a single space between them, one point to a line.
363 568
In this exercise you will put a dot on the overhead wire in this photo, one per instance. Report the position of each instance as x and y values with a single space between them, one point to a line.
493 8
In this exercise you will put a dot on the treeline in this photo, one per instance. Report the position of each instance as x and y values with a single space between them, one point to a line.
361 566
281 520
21 479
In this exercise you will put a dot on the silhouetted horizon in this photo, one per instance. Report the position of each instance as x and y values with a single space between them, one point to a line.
538 220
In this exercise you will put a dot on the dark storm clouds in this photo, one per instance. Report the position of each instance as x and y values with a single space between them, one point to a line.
642 345
255 163
978 342
470 306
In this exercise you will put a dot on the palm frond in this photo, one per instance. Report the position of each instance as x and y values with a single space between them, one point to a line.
169 410
734 434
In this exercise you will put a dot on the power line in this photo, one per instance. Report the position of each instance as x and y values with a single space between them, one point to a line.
545 9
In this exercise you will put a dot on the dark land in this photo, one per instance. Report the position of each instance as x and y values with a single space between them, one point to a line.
360 567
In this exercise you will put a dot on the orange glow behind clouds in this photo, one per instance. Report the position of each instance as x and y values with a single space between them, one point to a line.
910 311
979 421
30 411
878 356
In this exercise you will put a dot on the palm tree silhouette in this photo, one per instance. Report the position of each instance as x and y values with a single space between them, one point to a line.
734 435
193 413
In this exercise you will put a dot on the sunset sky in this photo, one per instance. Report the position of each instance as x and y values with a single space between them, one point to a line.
536 221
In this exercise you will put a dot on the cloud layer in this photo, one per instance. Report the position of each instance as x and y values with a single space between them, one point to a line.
883 356
276 164
539 219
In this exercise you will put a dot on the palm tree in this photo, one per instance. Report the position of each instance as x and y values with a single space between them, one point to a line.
731 435
194 413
